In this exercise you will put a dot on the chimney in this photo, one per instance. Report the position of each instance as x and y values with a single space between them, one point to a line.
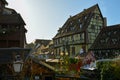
105 22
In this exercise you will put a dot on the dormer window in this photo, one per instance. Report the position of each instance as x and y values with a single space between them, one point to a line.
85 17
71 23
5 11
62 31
65 30
80 25
72 28
17 27
78 20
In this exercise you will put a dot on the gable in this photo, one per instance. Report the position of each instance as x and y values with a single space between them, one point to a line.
79 22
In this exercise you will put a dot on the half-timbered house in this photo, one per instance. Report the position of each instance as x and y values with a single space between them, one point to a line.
79 31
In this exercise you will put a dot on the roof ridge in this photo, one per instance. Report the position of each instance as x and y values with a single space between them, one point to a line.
84 11
113 25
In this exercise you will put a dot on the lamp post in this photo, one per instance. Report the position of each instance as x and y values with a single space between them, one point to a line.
18 64
20 61
13 59
66 61
61 61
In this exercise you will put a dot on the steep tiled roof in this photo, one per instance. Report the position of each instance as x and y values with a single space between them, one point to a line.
74 22
11 19
42 42
108 38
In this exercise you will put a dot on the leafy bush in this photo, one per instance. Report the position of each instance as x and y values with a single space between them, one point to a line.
109 70
73 60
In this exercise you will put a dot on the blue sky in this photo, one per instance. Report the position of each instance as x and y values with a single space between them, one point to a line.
44 17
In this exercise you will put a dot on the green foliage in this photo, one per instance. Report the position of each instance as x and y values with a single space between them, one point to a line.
116 66
109 70
73 60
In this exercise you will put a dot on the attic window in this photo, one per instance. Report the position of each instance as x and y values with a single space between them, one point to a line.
17 27
114 41
62 31
97 17
80 25
85 17
72 28
109 33
5 11
102 41
65 30
93 27
115 32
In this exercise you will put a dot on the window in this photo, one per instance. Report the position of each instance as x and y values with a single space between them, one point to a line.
7 11
93 28
85 17
97 17
71 23
73 51
72 38
78 20
80 25
82 36
72 28
65 30
17 27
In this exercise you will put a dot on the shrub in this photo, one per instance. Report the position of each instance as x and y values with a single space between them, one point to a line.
109 70
73 61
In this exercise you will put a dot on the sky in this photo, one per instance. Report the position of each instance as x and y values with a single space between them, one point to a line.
43 18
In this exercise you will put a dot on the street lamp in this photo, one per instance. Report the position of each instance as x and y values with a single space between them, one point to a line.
14 62
66 53
61 54
18 64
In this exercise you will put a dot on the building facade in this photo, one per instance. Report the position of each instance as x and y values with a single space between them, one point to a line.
43 45
12 42
79 32
107 44
12 30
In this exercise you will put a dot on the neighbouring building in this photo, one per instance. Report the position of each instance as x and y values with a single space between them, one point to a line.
43 45
12 43
12 30
107 43
79 32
